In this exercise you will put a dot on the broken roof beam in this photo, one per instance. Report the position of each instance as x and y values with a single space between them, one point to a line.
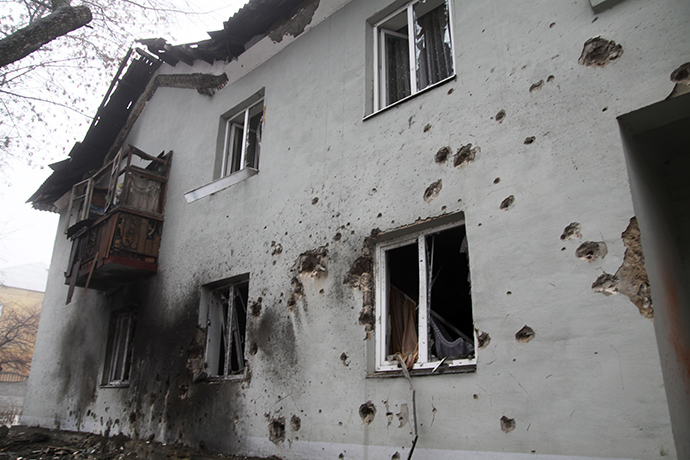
160 48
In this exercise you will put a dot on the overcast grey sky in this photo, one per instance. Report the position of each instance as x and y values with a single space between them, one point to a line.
27 235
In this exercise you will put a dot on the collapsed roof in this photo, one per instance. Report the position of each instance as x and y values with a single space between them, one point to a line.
256 19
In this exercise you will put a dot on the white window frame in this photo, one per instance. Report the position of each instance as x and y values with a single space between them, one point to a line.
231 128
223 176
379 52
217 326
381 272
118 362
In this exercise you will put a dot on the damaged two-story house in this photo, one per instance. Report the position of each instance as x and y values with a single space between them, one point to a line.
382 229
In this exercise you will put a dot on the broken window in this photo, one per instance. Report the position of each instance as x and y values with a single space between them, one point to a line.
424 303
118 359
242 142
226 328
413 50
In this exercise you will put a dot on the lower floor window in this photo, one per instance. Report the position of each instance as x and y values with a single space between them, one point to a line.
226 329
424 304
118 360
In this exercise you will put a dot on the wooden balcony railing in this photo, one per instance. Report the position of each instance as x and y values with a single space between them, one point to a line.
115 221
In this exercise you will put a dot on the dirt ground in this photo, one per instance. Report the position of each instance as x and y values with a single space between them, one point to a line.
25 443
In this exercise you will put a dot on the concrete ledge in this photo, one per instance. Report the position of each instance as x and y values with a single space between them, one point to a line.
600 5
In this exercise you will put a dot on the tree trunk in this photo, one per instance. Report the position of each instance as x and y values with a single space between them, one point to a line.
27 40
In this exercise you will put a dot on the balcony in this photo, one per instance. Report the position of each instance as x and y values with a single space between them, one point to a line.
115 221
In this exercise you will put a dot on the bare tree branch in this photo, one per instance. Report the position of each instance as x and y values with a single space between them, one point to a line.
64 106
27 40
18 327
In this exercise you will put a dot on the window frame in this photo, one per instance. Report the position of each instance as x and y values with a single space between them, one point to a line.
221 178
379 68
117 366
215 324
423 363
228 154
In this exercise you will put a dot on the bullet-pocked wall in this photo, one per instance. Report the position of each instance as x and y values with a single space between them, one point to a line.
521 146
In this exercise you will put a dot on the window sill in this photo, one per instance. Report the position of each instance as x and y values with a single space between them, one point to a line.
411 96
116 385
222 379
464 369
220 184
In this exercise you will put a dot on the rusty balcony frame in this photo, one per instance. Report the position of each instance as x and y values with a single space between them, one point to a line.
115 220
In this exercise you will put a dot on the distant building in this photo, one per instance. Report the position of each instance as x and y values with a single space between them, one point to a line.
353 228
21 297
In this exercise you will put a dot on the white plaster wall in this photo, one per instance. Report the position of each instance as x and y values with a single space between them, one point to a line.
588 385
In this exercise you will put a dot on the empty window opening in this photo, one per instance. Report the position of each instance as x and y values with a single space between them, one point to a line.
119 351
413 50
242 142
227 324
424 281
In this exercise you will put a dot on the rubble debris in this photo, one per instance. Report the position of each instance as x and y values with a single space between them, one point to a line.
432 191
442 155
507 424
32 443
536 86
631 277
591 251
465 155
483 339
367 412
276 430
572 231
598 52
507 203
525 334
500 115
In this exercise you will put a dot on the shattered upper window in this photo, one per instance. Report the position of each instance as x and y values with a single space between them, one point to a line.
226 330
242 142
118 360
413 50
424 303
